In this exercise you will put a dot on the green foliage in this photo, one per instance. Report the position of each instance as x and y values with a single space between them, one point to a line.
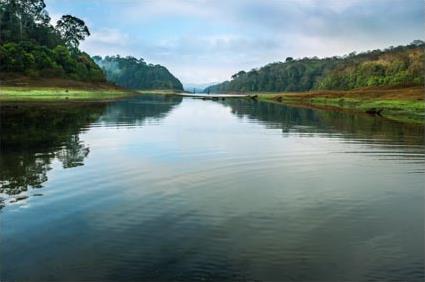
35 60
72 30
397 67
293 75
134 73
22 19
401 66
29 45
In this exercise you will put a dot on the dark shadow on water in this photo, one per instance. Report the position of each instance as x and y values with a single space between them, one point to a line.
333 123
32 136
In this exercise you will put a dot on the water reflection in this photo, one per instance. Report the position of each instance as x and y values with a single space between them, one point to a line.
136 110
32 136
380 137
348 125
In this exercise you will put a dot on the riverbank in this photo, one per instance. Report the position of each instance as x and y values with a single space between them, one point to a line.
56 94
58 90
403 104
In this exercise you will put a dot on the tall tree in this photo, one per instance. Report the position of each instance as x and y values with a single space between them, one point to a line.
19 19
72 30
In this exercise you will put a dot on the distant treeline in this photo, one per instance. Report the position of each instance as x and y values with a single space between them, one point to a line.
135 73
395 67
31 46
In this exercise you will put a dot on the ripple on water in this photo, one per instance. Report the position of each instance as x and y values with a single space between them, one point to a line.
235 191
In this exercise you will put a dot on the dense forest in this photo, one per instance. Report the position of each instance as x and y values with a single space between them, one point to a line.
135 73
30 45
394 67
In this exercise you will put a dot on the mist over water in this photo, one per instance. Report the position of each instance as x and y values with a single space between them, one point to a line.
164 188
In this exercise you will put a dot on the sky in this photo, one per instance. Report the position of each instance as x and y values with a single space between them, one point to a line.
206 41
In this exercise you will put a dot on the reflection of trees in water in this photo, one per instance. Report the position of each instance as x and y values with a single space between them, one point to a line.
384 137
73 152
31 137
309 121
135 111
23 171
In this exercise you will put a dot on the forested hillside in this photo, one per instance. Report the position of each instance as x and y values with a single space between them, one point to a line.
394 67
135 73
31 46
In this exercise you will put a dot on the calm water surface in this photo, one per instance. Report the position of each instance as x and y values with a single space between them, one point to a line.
160 188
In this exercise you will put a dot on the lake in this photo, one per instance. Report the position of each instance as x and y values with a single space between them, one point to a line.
164 188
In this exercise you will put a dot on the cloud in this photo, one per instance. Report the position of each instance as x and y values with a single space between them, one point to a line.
54 17
107 41
209 40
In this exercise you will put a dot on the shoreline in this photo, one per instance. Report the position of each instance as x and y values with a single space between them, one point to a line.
24 90
59 94
403 104
158 91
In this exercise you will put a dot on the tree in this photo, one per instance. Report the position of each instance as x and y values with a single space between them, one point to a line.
20 19
239 74
417 42
72 30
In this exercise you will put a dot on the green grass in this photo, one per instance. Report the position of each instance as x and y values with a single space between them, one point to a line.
28 94
63 94
400 110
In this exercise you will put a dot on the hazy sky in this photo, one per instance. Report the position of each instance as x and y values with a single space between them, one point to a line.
209 40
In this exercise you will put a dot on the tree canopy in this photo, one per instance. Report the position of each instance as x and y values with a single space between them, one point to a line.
72 30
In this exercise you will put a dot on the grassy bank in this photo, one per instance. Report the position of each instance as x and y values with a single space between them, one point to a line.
404 104
23 89
47 94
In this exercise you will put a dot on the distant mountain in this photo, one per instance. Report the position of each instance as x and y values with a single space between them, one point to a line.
133 73
393 67
198 87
